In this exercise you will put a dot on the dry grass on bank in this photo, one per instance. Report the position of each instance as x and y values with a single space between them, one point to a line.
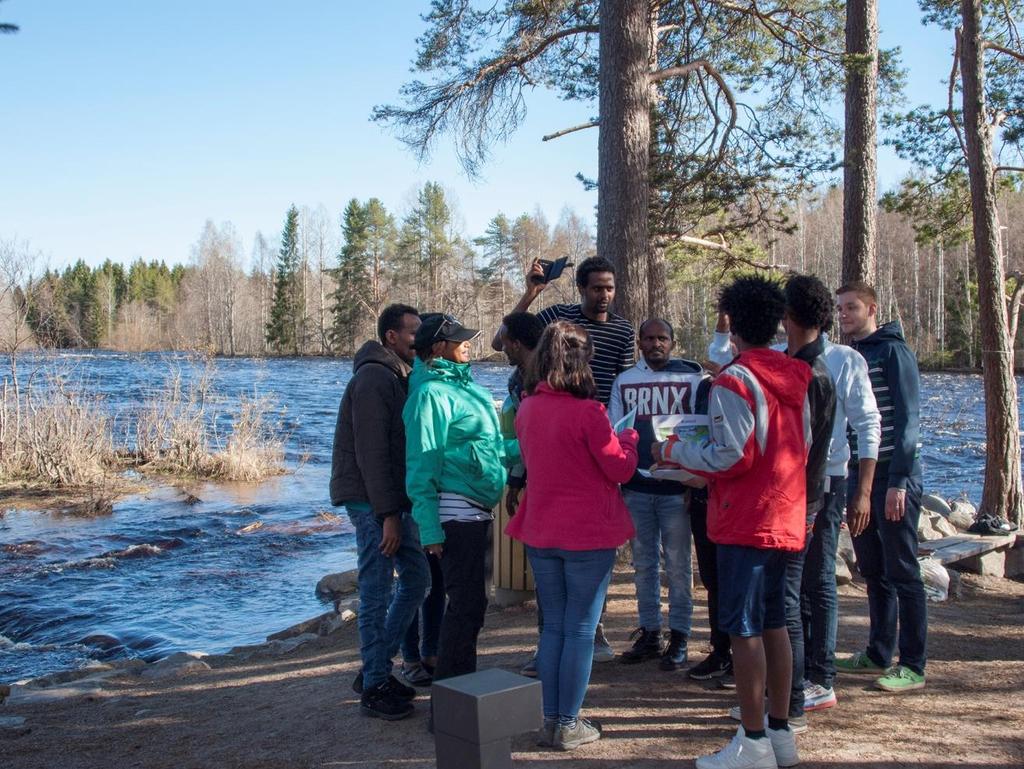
58 436
176 434
52 434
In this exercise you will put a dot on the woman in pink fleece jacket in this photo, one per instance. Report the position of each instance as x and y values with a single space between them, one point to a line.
571 519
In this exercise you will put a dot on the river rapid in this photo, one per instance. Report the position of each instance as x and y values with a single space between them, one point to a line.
166 573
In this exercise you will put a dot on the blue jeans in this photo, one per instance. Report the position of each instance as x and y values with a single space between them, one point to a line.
819 605
384 615
416 645
662 524
571 587
887 559
794 621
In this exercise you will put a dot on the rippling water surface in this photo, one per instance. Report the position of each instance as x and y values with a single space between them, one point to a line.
161 575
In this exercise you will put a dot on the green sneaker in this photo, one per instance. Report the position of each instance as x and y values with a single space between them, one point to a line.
900 679
860 664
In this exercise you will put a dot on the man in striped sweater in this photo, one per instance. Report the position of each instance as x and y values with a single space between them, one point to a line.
613 337
887 546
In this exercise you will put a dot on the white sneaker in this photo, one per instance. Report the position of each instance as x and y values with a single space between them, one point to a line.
741 753
818 697
603 651
784 745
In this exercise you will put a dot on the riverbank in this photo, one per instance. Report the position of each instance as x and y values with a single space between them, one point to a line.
267 708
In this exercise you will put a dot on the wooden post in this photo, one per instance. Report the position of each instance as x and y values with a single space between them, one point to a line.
512 578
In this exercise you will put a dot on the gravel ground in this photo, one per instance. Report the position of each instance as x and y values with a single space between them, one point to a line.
298 710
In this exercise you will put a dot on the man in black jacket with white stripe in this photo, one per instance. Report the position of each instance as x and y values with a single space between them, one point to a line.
887 547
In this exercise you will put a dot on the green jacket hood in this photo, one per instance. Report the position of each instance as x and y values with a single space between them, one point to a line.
453 442
439 369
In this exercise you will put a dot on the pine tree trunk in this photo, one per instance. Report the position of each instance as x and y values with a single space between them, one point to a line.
860 202
623 147
1002 491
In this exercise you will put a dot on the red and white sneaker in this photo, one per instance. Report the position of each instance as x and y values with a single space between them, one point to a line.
818 697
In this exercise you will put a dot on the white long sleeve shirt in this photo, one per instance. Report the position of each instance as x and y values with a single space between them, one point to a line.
855 400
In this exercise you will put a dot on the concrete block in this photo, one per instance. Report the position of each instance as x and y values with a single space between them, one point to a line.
486 706
990 564
456 753
1014 566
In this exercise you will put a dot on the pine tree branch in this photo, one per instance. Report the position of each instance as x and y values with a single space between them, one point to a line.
953 74
564 131
1003 49
778 28
703 64
731 258
517 59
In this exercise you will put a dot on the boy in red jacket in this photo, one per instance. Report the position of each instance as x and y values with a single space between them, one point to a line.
755 461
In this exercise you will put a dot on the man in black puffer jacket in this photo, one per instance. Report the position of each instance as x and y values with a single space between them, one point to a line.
368 478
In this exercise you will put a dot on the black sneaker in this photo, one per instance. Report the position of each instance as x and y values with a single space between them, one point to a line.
392 684
674 657
399 689
727 680
712 666
646 646
381 702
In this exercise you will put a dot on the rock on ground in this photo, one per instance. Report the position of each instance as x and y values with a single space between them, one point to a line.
22 694
925 531
943 526
936 504
175 666
962 513
334 585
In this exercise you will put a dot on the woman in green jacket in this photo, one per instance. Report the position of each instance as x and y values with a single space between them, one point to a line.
456 465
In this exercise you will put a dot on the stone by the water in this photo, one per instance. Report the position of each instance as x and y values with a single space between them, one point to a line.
337 584
27 695
176 665
962 513
936 504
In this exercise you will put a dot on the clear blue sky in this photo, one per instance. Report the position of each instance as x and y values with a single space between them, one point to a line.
125 125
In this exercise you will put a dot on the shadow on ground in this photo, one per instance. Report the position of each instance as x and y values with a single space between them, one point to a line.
299 711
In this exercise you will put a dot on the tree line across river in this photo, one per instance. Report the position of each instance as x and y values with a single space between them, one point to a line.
316 288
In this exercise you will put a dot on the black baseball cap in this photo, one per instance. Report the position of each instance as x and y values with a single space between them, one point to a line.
441 327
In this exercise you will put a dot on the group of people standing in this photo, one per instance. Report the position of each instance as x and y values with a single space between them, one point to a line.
798 437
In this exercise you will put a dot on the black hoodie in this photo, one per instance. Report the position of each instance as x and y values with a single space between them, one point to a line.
368 462
897 386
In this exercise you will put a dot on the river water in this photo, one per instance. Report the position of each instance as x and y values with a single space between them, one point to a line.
161 575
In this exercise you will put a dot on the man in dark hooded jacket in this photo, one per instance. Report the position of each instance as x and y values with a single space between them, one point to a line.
368 478
886 544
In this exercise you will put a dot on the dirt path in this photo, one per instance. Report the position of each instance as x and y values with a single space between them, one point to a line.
298 711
